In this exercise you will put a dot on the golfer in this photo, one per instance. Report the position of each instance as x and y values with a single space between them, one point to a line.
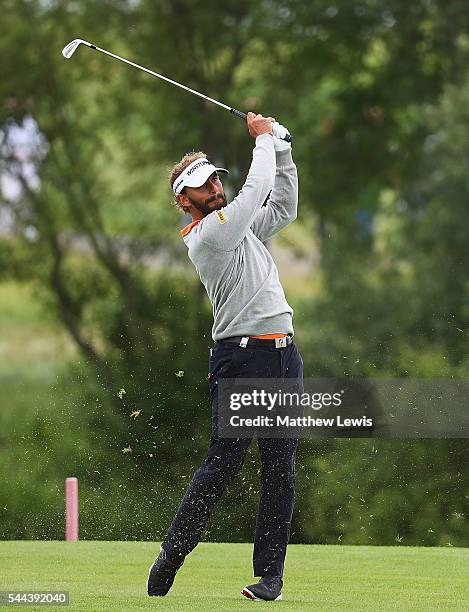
252 331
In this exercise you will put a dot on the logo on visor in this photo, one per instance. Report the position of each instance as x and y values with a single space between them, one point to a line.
176 186
199 165
181 181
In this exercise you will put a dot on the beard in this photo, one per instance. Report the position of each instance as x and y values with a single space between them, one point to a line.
205 208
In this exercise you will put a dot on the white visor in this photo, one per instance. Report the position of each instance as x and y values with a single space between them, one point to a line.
195 174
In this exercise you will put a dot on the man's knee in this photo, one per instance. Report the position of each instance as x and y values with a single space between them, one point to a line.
226 455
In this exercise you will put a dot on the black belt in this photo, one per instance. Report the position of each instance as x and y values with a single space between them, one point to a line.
246 341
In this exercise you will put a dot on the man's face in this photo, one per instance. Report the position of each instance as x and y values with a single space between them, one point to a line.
208 197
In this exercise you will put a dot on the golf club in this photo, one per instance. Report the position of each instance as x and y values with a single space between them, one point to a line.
72 46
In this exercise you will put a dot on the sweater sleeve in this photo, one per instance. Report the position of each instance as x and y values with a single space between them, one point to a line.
281 207
224 229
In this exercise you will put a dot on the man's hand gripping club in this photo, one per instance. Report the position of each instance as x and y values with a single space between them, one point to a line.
258 124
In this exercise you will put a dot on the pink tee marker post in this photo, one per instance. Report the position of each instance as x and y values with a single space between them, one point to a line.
71 509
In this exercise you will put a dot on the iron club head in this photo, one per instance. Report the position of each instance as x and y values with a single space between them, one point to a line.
72 46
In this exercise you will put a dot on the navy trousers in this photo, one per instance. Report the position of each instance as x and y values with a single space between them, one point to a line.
225 458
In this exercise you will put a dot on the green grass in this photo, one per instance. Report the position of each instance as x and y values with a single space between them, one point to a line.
29 337
33 353
112 576
18 304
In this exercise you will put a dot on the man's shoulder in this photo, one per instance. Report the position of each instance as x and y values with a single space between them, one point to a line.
206 231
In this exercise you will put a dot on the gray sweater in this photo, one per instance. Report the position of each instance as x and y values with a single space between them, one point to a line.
227 248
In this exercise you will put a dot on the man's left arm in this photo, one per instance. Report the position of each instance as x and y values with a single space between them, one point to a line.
281 207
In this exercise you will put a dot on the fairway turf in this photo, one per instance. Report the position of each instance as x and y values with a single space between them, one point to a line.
112 576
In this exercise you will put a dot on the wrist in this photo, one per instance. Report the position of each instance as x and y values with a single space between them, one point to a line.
263 137
281 145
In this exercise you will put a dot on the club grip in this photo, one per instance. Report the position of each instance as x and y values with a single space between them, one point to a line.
241 115
238 113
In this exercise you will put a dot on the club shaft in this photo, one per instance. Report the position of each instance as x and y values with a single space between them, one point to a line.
168 80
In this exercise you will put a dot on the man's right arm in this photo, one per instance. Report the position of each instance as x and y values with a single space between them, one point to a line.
226 228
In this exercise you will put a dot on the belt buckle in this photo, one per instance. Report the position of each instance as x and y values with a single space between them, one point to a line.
281 342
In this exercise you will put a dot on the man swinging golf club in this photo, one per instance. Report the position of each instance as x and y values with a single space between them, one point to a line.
252 331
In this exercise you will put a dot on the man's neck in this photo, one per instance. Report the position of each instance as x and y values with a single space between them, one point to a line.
197 215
